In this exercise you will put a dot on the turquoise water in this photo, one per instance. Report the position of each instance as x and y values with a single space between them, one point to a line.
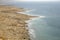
47 28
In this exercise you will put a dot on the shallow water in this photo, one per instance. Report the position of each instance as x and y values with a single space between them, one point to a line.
48 27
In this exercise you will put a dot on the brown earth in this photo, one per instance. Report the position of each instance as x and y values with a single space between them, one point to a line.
12 24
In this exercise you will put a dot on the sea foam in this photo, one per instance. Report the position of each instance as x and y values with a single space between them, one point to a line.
31 30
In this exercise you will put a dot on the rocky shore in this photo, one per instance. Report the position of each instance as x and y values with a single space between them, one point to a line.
12 24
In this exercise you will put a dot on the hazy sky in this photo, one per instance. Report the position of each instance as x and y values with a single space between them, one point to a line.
26 0
36 0
7 1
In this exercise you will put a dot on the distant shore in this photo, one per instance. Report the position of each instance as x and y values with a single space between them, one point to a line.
12 24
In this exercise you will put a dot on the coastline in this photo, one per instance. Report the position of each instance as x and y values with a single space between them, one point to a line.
12 24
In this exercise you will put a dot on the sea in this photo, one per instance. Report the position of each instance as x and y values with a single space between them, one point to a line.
47 26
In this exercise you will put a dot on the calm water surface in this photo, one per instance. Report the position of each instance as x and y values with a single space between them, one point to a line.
47 28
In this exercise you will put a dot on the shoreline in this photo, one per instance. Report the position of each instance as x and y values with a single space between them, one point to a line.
13 25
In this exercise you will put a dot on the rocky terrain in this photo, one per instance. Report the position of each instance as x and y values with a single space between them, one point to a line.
12 24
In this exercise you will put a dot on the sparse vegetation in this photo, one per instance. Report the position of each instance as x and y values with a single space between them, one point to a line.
13 25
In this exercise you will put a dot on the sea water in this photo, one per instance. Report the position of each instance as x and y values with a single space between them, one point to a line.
47 26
